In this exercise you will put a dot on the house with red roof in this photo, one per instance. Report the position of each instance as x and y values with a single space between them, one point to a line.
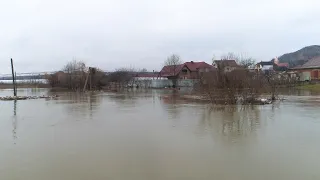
286 65
280 66
188 70
271 66
310 70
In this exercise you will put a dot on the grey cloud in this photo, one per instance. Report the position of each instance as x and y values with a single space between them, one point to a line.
42 35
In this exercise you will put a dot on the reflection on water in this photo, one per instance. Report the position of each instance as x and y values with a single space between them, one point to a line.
14 121
141 135
232 122
172 106
297 92
80 104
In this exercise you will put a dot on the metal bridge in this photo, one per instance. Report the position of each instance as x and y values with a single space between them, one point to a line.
25 76
30 75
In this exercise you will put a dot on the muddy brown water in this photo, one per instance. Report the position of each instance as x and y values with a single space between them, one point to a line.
141 136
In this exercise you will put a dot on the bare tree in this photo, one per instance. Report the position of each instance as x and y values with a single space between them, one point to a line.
230 87
173 62
74 75
246 62
230 56
52 79
97 78
242 59
121 77
143 70
213 57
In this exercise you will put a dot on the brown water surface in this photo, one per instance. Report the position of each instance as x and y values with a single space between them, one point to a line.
141 136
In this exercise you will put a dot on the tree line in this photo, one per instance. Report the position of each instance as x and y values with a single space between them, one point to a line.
77 76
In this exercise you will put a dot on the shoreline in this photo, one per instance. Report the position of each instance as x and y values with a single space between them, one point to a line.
310 87
20 85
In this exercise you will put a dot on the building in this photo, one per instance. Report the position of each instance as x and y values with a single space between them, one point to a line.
280 66
271 66
188 70
145 75
309 71
264 66
226 65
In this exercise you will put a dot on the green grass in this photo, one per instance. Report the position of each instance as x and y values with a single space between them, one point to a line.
313 87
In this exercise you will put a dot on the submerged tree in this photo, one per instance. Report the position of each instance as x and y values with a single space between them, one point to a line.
121 77
143 70
77 76
173 63
230 87
242 59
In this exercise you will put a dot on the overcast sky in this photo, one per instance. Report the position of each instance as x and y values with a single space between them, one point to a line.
42 35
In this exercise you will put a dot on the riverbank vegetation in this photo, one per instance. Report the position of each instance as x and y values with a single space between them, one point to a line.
221 84
239 86
24 85
77 76
311 87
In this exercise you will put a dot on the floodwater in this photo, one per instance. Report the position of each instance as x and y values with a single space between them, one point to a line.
141 136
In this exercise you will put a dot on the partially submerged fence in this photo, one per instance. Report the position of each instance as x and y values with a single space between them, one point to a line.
162 83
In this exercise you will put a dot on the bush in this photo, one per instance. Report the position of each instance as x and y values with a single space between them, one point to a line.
76 76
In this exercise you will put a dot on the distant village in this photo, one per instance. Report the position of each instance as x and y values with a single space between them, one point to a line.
175 73
192 70
228 80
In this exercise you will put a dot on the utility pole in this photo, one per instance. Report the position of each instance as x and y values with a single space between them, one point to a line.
90 74
86 82
13 80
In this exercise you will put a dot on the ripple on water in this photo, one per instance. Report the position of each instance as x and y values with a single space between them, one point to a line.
137 135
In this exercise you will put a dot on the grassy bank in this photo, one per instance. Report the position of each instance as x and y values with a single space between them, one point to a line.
312 87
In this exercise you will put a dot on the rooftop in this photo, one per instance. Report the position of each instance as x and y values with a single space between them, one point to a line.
171 70
265 63
283 65
194 66
312 63
174 70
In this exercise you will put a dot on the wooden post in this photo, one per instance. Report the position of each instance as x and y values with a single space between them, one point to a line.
13 79
85 84
90 74
15 107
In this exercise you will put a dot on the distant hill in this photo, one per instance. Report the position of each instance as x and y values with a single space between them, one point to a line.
301 56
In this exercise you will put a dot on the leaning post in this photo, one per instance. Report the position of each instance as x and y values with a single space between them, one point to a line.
13 79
